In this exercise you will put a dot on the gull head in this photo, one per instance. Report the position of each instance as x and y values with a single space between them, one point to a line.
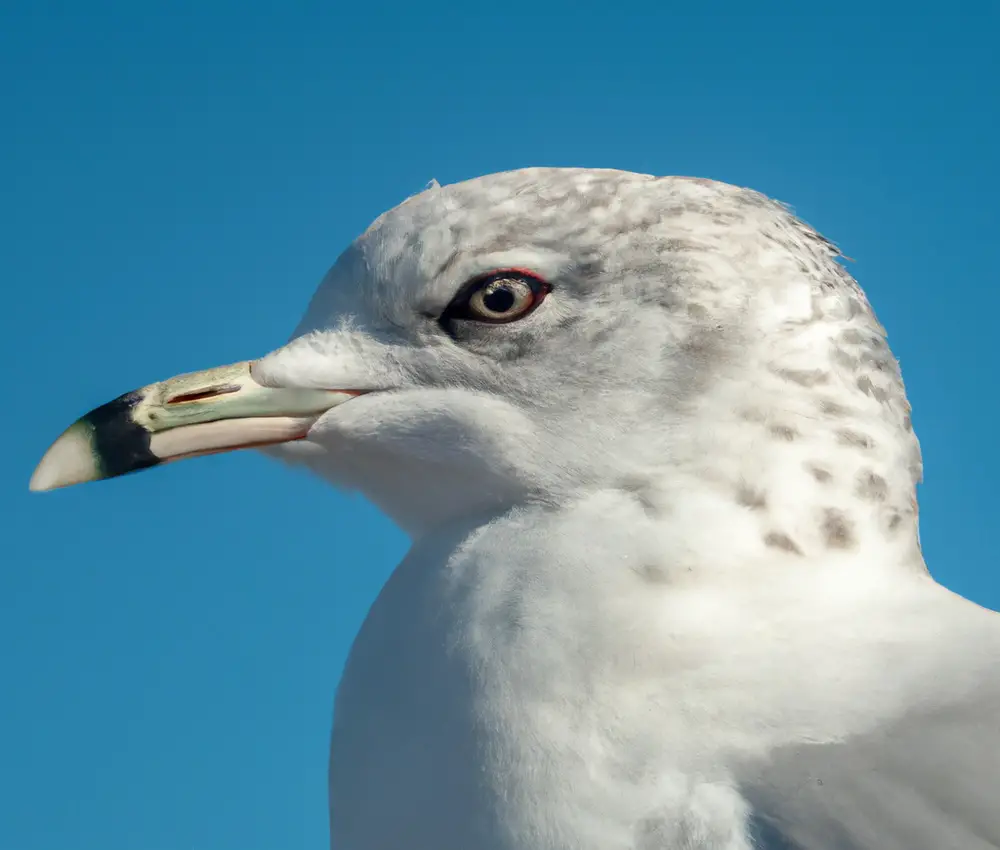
546 334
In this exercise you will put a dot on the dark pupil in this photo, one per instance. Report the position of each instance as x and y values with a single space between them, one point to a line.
499 299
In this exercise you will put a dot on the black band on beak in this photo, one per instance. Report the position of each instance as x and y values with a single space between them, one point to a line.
120 443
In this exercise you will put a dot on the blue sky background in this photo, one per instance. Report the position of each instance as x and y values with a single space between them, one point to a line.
177 178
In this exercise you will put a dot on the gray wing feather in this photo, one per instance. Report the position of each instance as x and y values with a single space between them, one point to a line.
929 780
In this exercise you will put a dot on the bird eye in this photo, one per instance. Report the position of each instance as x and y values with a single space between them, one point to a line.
500 297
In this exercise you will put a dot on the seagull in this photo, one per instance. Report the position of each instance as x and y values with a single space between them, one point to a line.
665 589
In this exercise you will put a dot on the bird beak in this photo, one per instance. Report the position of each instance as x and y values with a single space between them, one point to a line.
217 410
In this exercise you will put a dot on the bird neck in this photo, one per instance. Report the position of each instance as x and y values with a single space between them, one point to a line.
803 451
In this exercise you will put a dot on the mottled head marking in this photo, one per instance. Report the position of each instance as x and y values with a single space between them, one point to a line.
837 530
819 473
804 377
871 486
750 497
697 335
783 432
779 540
847 437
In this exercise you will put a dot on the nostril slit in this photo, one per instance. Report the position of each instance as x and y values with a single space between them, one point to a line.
201 395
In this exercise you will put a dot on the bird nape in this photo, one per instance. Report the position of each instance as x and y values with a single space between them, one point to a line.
665 587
